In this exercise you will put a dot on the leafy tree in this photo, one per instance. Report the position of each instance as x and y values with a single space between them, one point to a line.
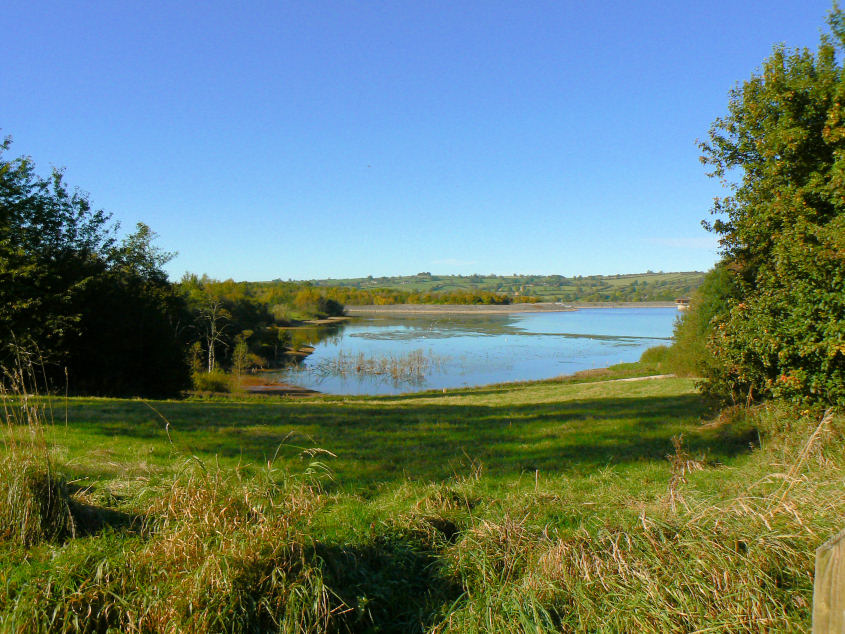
240 358
131 338
211 316
781 152
100 309
138 255
52 245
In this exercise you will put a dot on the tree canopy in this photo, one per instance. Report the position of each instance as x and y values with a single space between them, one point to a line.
77 298
780 151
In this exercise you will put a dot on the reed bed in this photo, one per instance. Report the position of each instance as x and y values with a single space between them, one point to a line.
412 367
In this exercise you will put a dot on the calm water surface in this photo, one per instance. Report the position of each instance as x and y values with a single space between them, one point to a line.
470 350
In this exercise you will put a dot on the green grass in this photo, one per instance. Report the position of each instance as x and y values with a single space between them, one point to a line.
552 426
544 506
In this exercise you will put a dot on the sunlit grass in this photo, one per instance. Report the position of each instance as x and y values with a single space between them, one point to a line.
565 505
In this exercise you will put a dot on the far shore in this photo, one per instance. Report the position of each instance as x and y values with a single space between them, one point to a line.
488 309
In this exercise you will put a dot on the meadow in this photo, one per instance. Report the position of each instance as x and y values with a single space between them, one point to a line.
579 504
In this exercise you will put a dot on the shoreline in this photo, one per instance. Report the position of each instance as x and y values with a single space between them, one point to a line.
493 309
290 389
280 389
284 388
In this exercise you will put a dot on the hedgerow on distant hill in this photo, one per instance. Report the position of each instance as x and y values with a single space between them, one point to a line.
640 287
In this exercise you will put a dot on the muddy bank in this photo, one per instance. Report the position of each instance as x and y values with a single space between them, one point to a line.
310 323
457 309
283 389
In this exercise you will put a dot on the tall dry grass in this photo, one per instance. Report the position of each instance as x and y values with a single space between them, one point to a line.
35 499
692 562
214 552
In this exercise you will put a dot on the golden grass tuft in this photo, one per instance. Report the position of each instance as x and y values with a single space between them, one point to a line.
34 502
234 550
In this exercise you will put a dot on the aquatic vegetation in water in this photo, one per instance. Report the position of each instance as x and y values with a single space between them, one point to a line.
401 368
478 350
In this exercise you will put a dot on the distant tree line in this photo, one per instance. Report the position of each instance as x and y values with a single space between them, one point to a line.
241 325
382 296
642 287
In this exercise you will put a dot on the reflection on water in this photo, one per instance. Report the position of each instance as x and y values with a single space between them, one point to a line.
479 349
302 336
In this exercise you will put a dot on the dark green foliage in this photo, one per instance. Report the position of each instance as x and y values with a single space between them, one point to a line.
689 354
102 311
787 339
50 246
127 341
782 229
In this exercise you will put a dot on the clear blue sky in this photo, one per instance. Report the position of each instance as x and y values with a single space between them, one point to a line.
298 140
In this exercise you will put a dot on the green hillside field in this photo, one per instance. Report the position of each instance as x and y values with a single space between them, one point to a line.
549 288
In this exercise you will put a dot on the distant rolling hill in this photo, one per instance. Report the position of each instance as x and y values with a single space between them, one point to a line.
637 287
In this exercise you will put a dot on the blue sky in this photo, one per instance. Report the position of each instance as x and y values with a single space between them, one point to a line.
268 140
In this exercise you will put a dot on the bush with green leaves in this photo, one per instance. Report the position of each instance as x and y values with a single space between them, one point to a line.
782 228
100 313
214 381
689 354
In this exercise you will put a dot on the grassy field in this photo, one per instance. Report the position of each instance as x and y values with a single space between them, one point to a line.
550 288
582 504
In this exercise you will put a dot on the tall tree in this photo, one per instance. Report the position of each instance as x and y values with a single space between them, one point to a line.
52 245
68 291
781 152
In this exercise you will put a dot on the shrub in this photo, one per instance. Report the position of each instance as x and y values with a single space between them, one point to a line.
785 339
689 354
214 381
656 355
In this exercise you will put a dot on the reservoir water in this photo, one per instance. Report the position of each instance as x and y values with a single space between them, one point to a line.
396 354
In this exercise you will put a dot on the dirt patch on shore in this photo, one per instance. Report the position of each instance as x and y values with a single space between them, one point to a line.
455 309
475 309
282 389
